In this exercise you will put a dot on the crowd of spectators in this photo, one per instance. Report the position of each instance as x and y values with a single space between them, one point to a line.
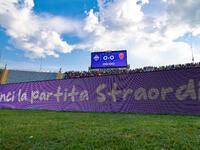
78 74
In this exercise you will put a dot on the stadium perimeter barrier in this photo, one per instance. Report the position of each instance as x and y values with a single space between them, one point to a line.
162 92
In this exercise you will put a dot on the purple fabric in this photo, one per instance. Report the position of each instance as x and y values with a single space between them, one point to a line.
161 92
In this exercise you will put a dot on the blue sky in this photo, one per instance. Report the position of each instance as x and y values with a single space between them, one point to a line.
63 33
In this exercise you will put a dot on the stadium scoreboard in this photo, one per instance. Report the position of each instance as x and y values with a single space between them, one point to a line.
109 59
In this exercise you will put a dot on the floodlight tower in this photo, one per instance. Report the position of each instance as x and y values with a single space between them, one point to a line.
192 54
41 64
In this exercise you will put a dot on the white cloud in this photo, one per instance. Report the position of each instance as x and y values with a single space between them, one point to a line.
38 36
117 14
91 21
186 12
119 24
148 39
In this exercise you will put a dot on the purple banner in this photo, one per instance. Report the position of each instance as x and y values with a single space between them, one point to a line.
176 91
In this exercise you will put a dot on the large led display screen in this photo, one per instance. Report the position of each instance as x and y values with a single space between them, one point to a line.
109 59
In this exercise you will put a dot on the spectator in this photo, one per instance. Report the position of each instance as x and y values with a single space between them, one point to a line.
73 74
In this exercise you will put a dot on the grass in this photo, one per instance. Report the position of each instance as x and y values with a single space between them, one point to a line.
40 129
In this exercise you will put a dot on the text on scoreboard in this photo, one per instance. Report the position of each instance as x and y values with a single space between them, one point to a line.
109 59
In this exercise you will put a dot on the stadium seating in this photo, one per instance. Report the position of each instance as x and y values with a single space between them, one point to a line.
17 76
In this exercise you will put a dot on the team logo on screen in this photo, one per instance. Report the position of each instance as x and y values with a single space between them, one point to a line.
121 55
96 57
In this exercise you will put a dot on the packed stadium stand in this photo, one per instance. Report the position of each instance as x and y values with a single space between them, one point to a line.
78 74
17 76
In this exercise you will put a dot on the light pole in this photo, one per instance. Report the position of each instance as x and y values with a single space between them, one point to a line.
191 48
192 53
41 64
0 56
